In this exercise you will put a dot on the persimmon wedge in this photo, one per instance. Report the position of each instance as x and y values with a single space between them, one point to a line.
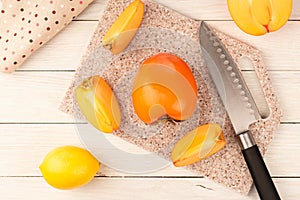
198 144
98 103
164 85
122 31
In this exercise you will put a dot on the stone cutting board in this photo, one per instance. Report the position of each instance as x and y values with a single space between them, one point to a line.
164 30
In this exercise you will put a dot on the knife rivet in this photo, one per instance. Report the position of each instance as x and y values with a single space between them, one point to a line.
246 99
216 44
219 50
248 105
229 68
226 62
251 111
236 80
240 87
242 93
222 56
232 74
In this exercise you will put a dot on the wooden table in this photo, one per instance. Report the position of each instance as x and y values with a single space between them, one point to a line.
31 124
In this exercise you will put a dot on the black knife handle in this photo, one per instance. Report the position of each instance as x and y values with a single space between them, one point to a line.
260 174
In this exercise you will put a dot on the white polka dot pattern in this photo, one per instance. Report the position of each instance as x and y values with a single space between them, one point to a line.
25 25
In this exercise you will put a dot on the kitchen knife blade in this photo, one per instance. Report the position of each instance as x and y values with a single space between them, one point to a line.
239 105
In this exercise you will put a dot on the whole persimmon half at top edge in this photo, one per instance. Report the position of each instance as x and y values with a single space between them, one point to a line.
258 17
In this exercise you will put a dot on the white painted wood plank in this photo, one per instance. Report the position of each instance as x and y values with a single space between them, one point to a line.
285 84
35 96
196 9
280 49
65 50
35 188
23 147
94 11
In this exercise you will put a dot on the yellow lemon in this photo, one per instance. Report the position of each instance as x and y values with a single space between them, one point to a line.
69 167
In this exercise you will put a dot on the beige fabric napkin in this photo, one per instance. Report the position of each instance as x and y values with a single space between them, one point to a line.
26 25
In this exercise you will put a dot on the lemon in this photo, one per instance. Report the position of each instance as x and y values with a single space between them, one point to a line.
69 167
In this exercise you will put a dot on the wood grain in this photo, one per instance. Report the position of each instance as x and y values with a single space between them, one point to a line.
24 147
196 9
31 124
276 47
35 188
35 96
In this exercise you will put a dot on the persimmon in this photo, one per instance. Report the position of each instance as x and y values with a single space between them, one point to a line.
164 85
257 17
122 31
99 104
198 144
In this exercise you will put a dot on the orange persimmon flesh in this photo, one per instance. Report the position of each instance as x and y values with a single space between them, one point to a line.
258 17
122 31
198 144
98 103
164 85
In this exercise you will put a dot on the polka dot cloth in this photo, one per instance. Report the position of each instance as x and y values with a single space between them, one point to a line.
26 25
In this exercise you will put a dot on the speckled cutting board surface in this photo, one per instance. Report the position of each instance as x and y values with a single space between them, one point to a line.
164 30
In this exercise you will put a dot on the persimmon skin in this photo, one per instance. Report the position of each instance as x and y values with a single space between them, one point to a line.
172 61
164 85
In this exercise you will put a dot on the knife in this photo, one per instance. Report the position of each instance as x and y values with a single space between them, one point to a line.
239 105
